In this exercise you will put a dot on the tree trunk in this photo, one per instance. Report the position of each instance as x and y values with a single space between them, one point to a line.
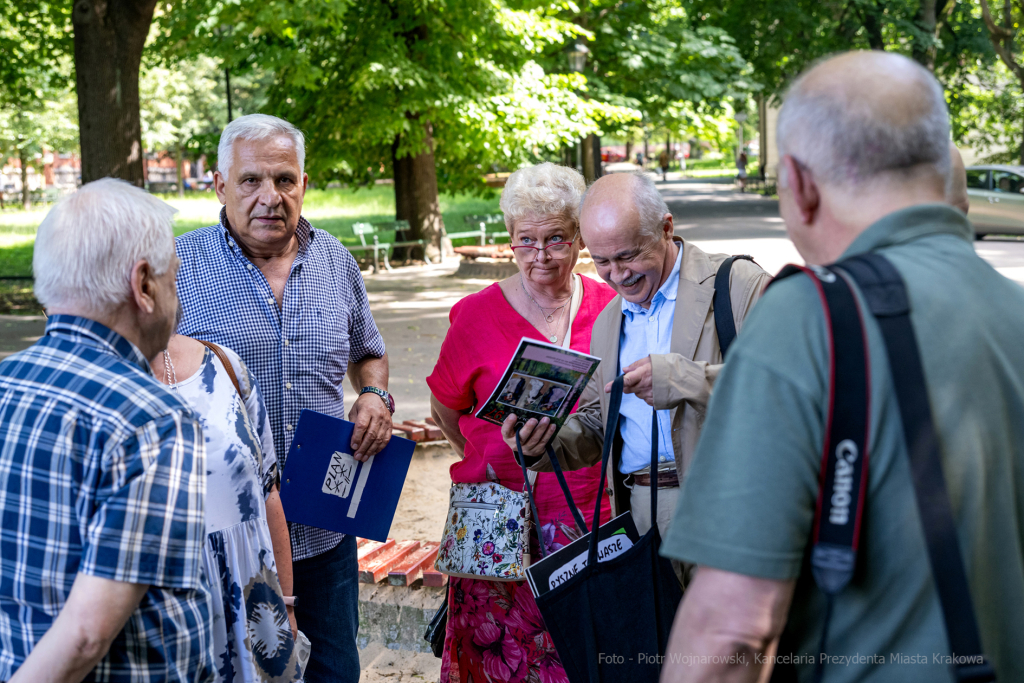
227 89
109 37
416 197
629 150
923 51
587 152
1020 78
873 28
26 195
180 167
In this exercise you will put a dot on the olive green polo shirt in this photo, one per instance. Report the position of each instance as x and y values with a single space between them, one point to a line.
748 500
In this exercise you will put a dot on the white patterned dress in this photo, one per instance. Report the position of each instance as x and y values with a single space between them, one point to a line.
252 640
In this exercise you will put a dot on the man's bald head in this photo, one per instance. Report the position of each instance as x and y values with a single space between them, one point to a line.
631 198
861 115
628 228
956 188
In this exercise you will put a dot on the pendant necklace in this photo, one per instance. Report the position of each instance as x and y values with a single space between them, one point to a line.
170 376
550 318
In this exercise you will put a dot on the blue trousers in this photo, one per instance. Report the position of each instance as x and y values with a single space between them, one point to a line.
327 612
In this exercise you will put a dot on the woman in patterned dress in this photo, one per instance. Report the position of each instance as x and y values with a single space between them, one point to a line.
495 631
247 556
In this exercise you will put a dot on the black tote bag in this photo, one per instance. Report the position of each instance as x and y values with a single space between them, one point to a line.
610 622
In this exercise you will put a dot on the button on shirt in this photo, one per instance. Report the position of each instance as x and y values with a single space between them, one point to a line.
103 472
646 331
298 352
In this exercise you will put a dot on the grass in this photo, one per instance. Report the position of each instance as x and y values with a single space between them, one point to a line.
332 210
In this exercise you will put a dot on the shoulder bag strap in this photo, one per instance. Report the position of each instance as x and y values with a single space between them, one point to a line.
725 324
610 430
886 296
223 357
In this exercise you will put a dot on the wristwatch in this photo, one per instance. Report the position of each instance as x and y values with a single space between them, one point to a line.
388 399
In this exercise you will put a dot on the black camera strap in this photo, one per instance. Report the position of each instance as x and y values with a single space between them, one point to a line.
886 296
843 479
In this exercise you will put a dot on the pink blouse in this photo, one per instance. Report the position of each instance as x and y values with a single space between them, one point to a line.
485 332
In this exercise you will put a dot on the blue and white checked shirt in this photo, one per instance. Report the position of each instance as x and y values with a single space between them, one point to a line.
300 352
102 471
647 331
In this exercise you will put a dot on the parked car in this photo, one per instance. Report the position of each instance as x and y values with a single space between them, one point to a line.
997 199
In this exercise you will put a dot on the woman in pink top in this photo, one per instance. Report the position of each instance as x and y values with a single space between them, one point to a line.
495 631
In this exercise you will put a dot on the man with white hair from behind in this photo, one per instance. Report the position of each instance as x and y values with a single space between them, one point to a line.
865 158
102 468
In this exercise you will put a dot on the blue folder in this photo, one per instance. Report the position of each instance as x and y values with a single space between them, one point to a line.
325 487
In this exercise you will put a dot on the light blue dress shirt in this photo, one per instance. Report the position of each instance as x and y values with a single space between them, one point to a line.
645 332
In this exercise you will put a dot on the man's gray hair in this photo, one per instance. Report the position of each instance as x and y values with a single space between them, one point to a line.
650 205
88 243
256 127
542 190
843 138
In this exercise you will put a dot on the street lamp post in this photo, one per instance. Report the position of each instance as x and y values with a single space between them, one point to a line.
577 54
578 57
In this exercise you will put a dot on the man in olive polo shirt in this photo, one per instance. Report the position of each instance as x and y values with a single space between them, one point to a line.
863 139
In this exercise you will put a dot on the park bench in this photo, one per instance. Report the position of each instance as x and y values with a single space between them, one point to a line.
161 186
481 222
373 230
47 195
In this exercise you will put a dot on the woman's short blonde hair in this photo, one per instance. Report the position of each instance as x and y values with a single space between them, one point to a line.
542 190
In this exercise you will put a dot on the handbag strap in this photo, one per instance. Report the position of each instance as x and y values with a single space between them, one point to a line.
725 324
610 429
529 491
223 358
557 467
655 441
886 295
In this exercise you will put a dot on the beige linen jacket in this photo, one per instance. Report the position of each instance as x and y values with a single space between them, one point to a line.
682 378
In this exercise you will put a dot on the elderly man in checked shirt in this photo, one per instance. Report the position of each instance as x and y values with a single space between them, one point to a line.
289 299
102 468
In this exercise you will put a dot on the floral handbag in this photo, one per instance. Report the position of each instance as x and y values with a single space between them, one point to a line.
487 535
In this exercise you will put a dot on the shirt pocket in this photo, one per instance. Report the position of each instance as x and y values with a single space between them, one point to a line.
331 343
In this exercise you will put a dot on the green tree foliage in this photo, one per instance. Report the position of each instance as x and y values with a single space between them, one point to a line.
987 112
783 38
35 39
432 93
652 57
37 109
358 77
1004 29
184 104
963 41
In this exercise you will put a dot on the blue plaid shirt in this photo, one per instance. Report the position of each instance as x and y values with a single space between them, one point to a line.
299 353
102 471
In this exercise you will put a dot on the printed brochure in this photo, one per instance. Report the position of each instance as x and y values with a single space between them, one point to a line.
541 380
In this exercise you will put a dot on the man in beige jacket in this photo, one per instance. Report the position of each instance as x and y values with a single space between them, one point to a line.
661 331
